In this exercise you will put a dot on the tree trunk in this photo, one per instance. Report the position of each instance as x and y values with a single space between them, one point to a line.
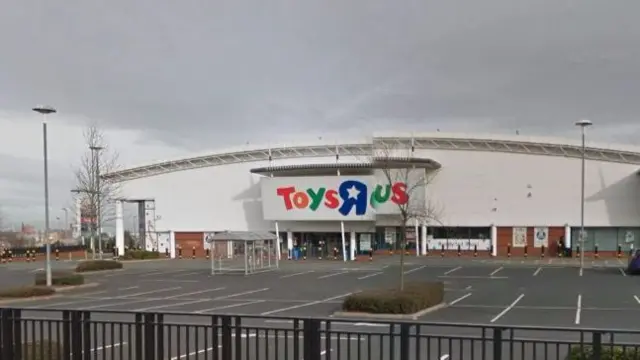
403 244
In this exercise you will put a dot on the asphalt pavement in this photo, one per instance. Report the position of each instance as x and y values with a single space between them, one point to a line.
485 292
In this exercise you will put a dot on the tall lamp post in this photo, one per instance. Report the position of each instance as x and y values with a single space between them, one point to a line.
583 124
44 111
95 154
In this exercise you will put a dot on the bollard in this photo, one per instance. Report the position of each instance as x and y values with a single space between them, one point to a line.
116 254
193 252
491 250
370 254
459 251
335 253
166 253
595 251
475 250
578 251
525 251
57 254
3 255
10 253
179 252
542 251
619 251
508 250
208 253
442 251
26 254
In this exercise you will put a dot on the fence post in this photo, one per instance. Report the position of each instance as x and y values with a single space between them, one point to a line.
311 338
227 351
6 329
404 341
238 337
85 319
139 339
66 332
497 343
75 327
149 336
160 337
596 344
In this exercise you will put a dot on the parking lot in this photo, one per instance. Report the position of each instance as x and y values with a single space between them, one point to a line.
493 293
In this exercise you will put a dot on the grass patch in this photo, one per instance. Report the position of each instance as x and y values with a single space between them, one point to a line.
140 255
415 297
607 353
59 278
98 265
26 292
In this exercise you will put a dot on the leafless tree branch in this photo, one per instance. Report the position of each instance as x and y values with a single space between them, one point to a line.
396 167
97 195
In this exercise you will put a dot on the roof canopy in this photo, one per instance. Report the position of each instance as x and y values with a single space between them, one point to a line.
241 236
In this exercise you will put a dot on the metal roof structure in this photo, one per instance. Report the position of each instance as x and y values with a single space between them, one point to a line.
242 236
435 141
375 163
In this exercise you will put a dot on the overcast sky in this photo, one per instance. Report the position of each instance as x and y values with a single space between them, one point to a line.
166 78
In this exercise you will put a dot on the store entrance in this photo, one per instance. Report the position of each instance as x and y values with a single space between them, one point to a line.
321 245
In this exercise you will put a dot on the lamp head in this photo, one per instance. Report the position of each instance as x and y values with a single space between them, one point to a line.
44 109
583 123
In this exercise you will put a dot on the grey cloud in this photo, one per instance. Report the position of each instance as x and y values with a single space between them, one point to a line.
199 73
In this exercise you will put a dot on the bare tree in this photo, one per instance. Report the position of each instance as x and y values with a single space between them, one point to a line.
404 174
97 194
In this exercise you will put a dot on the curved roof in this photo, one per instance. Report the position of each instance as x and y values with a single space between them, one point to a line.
434 141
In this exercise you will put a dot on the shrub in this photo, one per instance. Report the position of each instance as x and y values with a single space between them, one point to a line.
608 353
140 255
414 297
60 278
26 292
42 350
98 265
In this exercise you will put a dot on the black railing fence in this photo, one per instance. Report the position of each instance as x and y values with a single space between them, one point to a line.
34 334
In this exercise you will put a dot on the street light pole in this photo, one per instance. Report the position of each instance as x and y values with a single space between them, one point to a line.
46 110
96 150
583 125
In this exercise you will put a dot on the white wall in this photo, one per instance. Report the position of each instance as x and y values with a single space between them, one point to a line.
228 197
469 182
210 199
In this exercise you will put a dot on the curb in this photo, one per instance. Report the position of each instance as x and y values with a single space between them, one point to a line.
98 272
414 316
144 260
77 287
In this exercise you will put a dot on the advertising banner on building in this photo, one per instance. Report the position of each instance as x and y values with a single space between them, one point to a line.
331 198
519 239
540 237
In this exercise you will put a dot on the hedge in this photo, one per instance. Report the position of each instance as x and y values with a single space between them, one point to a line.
415 297
607 353
140 255
60 278
98 265
26 292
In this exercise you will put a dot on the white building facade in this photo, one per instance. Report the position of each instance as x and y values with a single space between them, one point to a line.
481 183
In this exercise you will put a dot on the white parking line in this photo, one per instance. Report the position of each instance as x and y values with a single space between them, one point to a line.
171 305
187 274
228 306
535 273
637 299
147 293
368 276
578 309
105 347
152 273
127 288
506 310
622 272
459 299
240 294
414 270
331 275
195 353
496 271
452 270
296 274
305 304
195 293
444 357
104 298
580 273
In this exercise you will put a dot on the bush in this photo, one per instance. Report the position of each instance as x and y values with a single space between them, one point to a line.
415 297
98 265
42 350
60 278
140 255
608 353
26 292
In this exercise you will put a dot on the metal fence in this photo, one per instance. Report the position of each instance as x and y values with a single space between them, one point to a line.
35 334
